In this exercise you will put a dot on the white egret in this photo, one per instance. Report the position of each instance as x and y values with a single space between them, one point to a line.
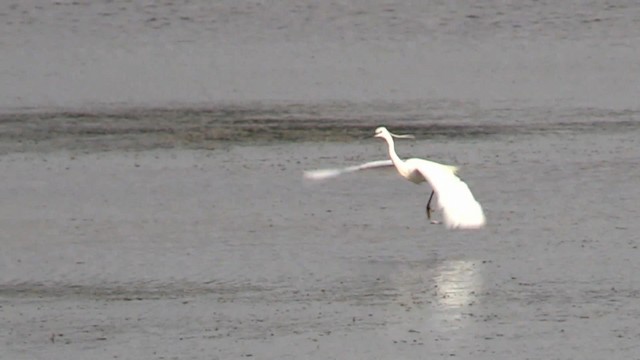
460 209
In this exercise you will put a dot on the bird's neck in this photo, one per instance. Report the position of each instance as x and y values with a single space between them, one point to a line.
399 164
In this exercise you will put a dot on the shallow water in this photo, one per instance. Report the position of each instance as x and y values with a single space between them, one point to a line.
228 253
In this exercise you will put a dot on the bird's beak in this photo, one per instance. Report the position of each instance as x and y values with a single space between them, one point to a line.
408 136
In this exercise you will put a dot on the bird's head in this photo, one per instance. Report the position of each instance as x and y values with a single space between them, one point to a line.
382 132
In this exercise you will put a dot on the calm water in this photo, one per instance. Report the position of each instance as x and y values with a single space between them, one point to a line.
74 54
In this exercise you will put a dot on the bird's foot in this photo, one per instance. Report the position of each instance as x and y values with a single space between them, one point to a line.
436 222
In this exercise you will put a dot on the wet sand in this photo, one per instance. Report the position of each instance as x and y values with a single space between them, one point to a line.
222 126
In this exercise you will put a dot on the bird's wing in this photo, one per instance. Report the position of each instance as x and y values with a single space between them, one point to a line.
322 174
460 209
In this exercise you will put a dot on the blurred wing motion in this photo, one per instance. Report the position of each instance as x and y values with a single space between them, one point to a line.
460 209
322 174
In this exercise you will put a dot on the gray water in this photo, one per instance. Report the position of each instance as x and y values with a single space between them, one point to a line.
153 206
61 54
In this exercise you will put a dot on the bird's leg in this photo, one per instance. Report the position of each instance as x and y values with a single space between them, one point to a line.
429 206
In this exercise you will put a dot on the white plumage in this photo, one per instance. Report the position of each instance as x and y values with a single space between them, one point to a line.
459 207
329 173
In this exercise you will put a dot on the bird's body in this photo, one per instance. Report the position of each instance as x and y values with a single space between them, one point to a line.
460 209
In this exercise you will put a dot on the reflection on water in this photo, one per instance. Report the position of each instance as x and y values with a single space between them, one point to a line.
439 291
458 281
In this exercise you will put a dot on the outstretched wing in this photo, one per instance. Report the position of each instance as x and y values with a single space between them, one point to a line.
460 209
322 174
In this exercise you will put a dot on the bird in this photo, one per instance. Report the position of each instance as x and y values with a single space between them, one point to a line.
459 207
